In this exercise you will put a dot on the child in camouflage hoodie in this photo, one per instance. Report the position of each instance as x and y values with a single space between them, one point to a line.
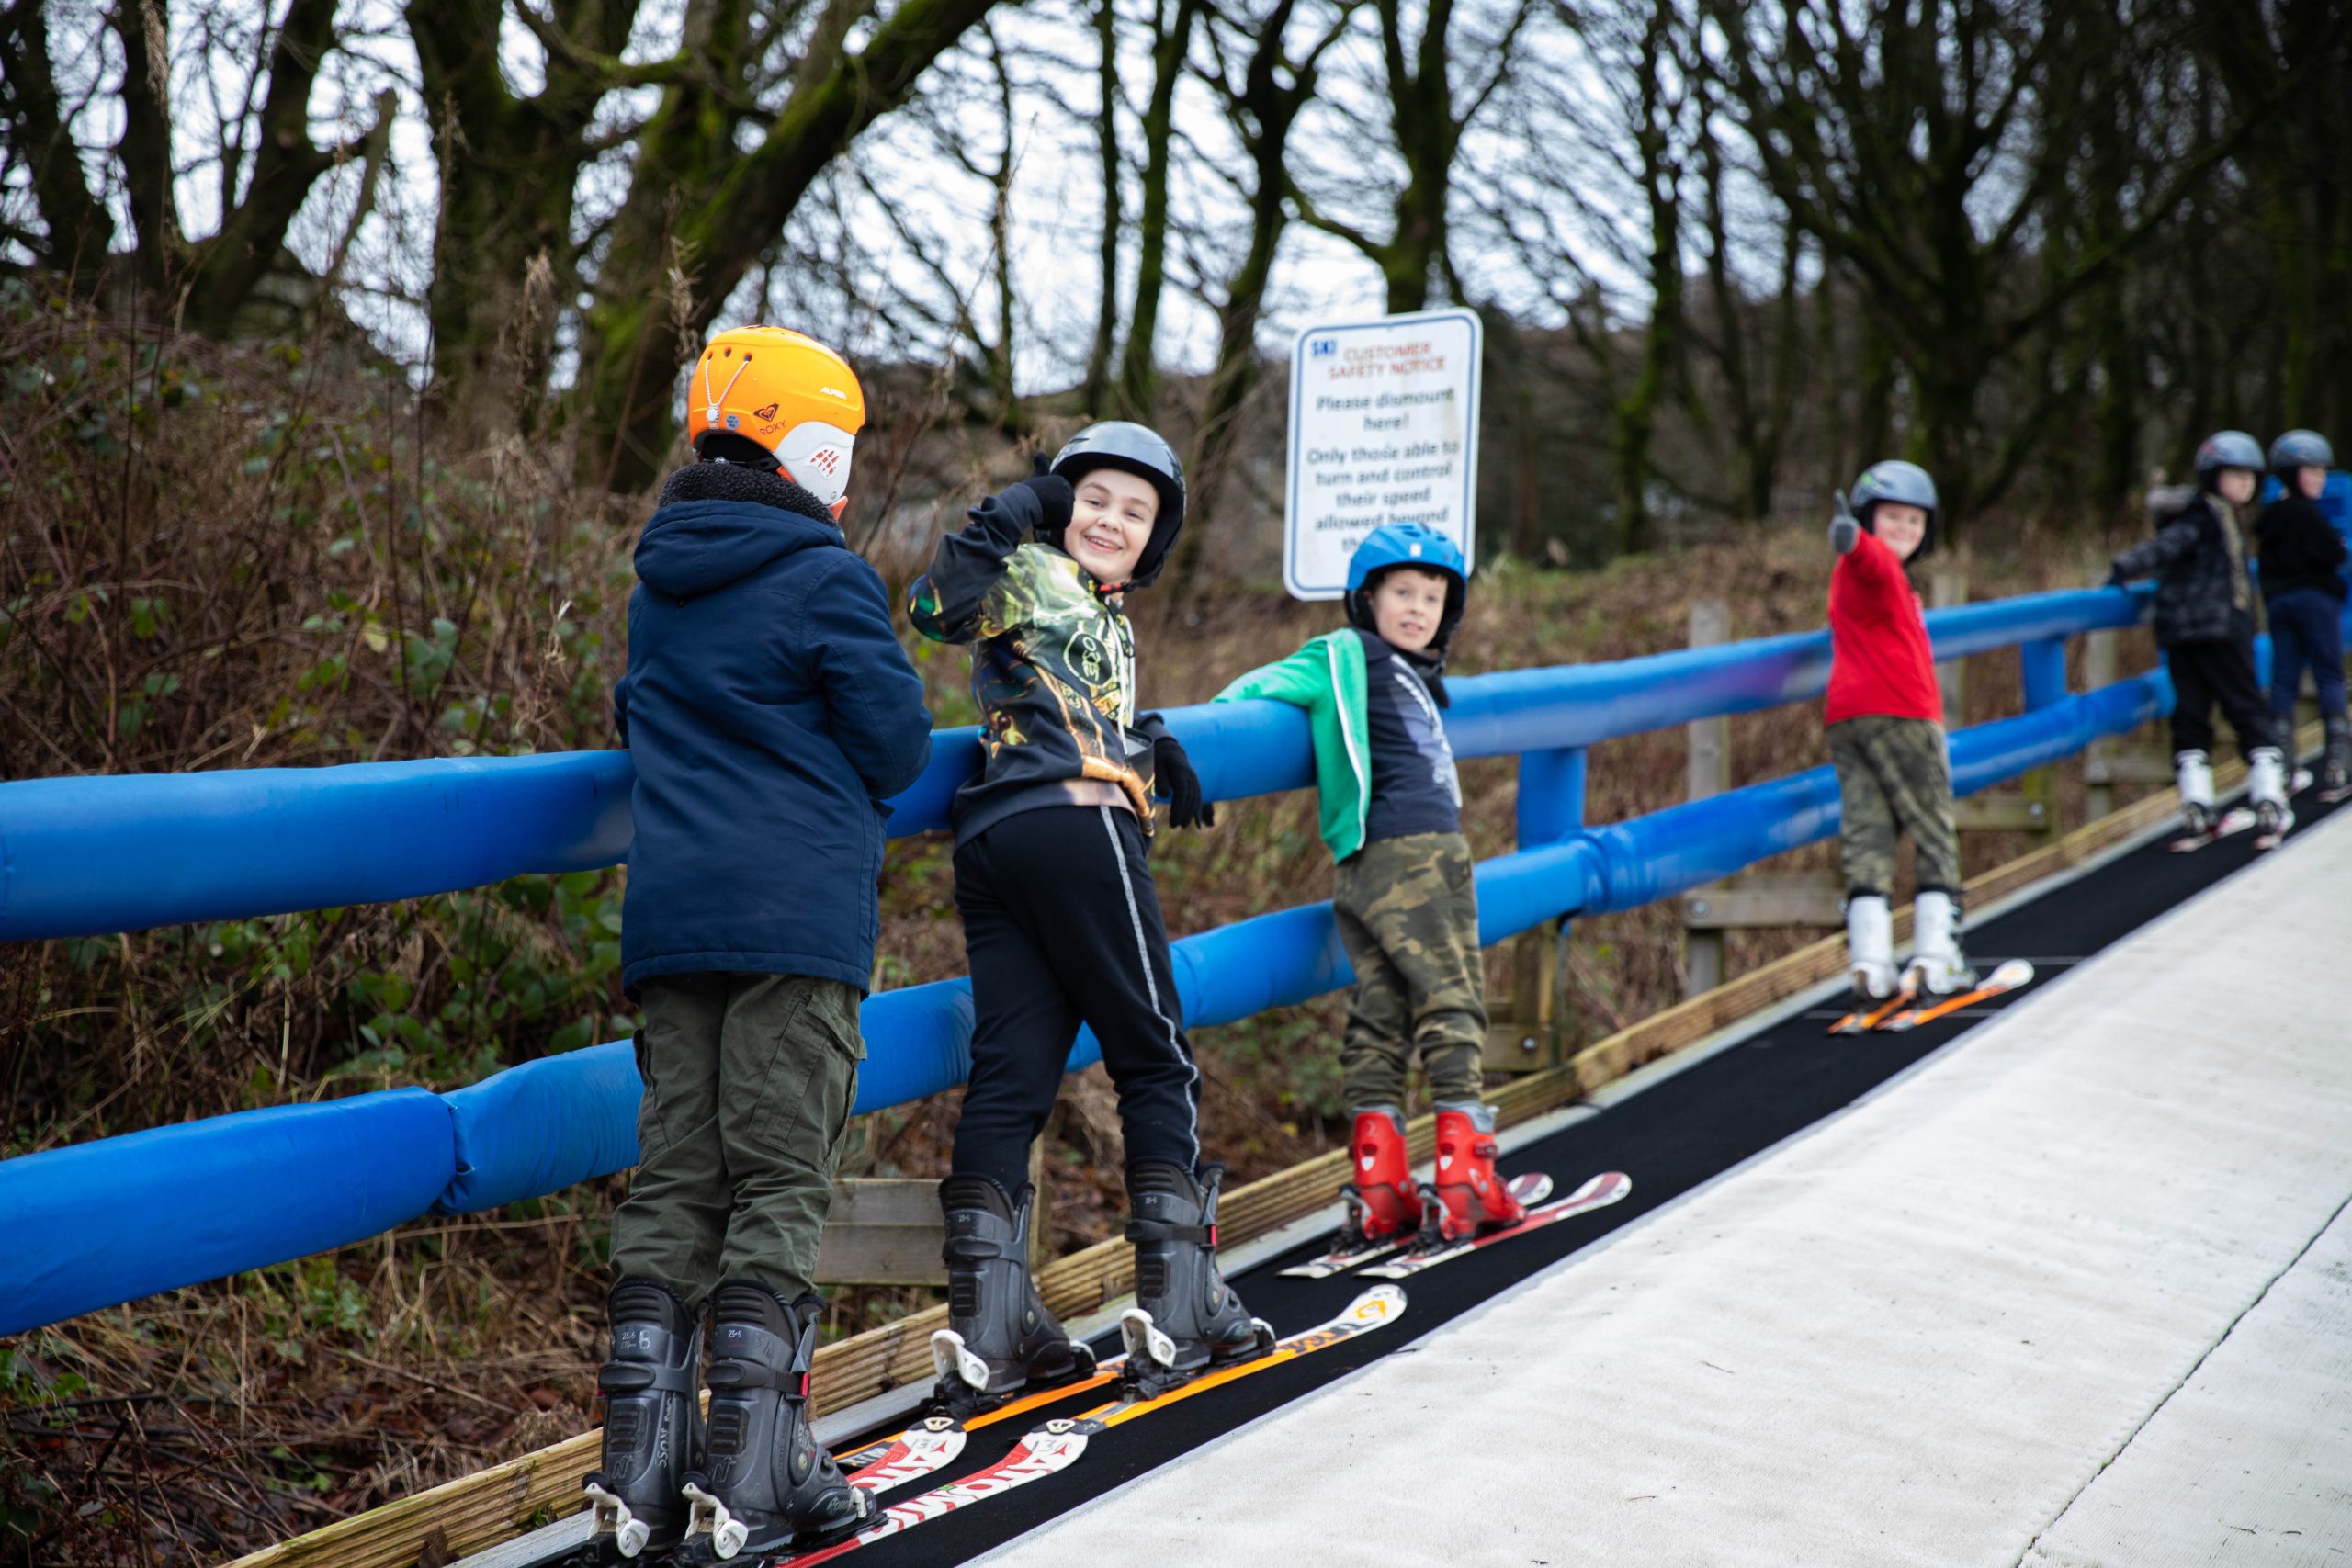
1061 921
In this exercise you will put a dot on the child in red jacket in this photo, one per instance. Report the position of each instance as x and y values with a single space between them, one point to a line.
1886 715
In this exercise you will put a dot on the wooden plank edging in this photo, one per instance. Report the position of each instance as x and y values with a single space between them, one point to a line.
477 1511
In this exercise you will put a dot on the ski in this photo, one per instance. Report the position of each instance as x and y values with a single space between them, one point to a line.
858 1459
1056 1445
1529 1190
2012 976
2237 819
928 1445
1609 1187
1861 1021
2271 837
2330 796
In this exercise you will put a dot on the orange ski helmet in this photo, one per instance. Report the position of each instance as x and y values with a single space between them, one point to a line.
789 395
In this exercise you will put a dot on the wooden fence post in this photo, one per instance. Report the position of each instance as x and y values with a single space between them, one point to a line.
1709 773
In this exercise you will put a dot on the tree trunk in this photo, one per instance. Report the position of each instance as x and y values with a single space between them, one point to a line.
634 342
286 165
1106 315
1139 367
81 231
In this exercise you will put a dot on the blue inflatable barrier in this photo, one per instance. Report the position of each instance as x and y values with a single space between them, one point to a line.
123 1217
542 1127
91 856
100 1223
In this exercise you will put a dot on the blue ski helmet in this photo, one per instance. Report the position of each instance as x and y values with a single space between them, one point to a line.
2227 449
1897 480
2301 449
1138 449
1416 544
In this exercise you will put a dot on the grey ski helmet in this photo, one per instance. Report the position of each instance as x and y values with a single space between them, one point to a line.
2301 449
2227 449
1898 481
1121 444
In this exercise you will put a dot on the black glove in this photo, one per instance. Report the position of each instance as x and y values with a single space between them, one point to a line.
2116 577
1057 497
1174 772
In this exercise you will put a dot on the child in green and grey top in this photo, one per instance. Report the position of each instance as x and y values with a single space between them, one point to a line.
1404 896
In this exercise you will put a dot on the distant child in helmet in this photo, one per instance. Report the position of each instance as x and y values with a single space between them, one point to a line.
1884 715
1403 896
2303 591
769 711
1061 920
2205 625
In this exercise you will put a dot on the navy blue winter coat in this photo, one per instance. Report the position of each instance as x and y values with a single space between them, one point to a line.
769 710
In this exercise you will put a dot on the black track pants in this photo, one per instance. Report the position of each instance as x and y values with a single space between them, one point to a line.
2220 670
1061 922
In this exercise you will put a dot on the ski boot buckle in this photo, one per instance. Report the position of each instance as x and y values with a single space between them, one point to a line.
630 1533
709 1516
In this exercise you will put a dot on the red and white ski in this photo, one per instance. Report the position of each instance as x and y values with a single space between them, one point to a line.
929 1444
2237 819
1609 1187
1531 1188
857 1460
1056 1445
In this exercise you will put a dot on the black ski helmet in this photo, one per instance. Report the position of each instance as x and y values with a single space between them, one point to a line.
1138 449
2226 449
1897 480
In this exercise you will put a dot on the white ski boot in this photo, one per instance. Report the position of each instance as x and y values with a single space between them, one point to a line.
2192 775
1870 946
2267 788
1936 967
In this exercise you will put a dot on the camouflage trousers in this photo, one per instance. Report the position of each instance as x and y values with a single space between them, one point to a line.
749 1080
1894 776
1408 917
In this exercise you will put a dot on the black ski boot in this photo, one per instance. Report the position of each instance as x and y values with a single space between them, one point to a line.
2336 768
1186 1317
652 1422
766 1486
998 1337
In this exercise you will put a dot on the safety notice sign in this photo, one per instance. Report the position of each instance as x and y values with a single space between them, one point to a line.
1383 428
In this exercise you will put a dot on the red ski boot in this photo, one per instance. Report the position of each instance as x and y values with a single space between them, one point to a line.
1383 1200
1467 1196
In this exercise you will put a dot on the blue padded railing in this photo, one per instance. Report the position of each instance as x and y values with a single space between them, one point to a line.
118 1218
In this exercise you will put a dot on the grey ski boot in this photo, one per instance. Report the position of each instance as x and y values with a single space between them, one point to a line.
766 1485
998 1337
652 1422
1186 1318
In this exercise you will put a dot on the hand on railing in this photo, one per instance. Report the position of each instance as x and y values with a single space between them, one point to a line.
1173 772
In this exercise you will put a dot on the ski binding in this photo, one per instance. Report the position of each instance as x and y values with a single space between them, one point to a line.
1352 1248
1609 1187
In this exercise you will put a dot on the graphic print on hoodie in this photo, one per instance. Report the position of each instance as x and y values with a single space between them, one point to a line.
1054 673
1415 788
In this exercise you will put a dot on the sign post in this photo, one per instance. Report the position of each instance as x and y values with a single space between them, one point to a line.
1383 428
